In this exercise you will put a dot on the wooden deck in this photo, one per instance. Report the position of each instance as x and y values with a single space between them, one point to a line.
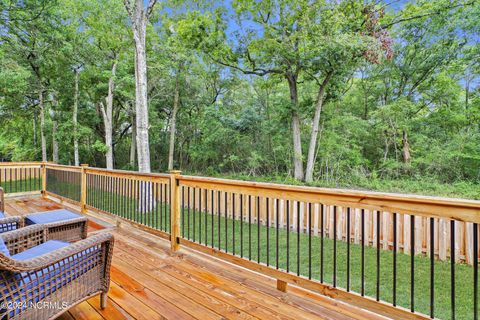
148 282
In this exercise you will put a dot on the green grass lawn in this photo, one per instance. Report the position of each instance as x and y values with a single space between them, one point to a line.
220 233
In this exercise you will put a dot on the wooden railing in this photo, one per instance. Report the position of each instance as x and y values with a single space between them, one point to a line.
402 256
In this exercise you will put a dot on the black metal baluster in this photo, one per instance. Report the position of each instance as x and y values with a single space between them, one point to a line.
131 199
258 229
200 194
206 216
268 230
277 223
475 271
205 212
249 227
241 225
432 268
288 235
394 259
219 209
334 246
378 256
348 249
452 266
298 238
233 222
226 221
412 263
194 213
161 206
322 233
310 240
363 252
188 216
183 212
212 193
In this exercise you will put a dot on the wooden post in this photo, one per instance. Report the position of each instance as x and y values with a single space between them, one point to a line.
43 167
83 188
175 209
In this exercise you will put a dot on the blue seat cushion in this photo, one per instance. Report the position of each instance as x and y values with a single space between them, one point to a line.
46 247
51 216
3 248
2 215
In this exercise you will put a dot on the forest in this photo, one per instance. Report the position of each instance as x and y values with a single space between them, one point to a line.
379 95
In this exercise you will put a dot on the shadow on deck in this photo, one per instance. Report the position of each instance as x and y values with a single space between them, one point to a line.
149 282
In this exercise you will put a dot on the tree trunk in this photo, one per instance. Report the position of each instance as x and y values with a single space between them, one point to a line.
141 99
53 116
75 116
406 148
173 120
133 145
42 124
108 117
296 131
35 129
316 123
139 17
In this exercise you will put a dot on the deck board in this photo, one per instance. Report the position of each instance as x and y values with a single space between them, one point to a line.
149 282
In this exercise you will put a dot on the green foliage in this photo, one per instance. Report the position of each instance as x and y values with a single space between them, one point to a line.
233 122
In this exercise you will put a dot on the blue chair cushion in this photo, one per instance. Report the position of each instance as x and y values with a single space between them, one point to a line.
3 248
51 216
46 247
2 215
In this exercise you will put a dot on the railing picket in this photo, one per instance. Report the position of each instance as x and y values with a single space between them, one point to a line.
226 222
189 213
241 225
334 281
288 235
249 227
212 217
412 263
298 238
363 251
378 256
267 207
219 198
258 228
394 287
309 240
277 224
452 267
348 249
475 271
233 223
322 230
206 216
432 268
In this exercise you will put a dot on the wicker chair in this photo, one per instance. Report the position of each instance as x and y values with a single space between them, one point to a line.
42 278
8 223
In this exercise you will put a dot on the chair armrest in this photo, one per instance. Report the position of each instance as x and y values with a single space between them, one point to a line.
24 238
105 240
11 223
83 221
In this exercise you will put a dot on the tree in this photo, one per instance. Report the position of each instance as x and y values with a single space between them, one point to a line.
139 16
